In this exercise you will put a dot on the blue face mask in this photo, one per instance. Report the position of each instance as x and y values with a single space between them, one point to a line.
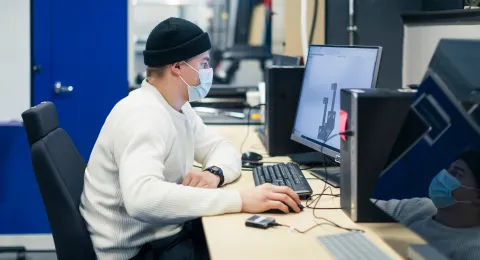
196 93
441 188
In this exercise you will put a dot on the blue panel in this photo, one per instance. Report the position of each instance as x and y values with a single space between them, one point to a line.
42 46
21 205
81 43
89 43
411 176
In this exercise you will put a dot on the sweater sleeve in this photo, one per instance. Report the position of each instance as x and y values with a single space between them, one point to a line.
467 251
141 145
211 149
407 211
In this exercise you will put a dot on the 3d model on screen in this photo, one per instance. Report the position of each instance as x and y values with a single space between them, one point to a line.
327 127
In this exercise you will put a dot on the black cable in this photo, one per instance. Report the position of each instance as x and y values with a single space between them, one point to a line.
248 125
314 22
328 222
325 188
299 231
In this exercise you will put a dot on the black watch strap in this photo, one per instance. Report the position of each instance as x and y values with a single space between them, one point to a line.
217 171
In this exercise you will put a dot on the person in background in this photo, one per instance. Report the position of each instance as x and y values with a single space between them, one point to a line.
449 219
140 198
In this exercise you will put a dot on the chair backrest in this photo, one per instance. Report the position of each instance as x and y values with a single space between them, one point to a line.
59 169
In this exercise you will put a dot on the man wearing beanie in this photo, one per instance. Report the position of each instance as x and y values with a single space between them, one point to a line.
140 199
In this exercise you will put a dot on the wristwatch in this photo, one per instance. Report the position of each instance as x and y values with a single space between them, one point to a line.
217 171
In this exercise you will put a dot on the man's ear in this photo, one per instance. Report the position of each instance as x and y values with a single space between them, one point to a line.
175 68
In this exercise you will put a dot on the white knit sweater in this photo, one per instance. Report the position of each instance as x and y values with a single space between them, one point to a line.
417 214
133 192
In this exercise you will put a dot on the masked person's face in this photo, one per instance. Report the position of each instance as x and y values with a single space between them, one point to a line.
457 185
197 76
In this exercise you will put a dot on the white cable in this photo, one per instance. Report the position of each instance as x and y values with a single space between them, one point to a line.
351 23
303 29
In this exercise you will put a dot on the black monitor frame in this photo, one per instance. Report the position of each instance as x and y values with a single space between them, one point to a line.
317 146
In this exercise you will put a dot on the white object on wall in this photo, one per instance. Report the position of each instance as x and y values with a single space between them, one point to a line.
15 59
421 40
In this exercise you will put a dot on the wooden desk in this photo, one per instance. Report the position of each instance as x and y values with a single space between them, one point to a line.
229 238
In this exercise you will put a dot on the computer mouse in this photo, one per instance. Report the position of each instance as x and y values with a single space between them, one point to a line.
251 156
251 164
277 211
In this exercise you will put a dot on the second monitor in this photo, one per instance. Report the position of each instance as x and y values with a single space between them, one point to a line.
328 70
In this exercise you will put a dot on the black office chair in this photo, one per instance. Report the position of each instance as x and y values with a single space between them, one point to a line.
59 169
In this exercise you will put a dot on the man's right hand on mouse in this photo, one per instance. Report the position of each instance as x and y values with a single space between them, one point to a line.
267 197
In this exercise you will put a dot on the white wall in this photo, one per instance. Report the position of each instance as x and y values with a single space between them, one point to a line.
14 58
278 24
420 42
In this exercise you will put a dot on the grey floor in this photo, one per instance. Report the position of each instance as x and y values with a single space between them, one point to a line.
31 256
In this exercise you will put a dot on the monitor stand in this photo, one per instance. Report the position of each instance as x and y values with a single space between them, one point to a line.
332 176
312 159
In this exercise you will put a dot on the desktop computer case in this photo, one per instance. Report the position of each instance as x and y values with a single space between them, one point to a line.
375 116
283 85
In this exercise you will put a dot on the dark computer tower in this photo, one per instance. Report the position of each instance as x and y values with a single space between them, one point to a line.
282 86
376 117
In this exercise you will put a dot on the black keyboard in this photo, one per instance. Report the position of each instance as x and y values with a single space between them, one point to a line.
283 174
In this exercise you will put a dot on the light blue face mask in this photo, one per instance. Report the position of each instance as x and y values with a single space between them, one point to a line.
196 93
441 188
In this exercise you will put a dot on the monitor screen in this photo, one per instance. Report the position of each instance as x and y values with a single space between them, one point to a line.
329 69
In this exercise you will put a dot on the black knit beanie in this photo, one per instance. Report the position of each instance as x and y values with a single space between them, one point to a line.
174 40
472 159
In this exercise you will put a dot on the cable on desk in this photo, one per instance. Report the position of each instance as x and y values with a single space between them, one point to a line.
248 125
316 199
299 231
328 222
325 188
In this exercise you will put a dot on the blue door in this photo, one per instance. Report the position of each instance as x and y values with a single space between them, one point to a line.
79 57
81 47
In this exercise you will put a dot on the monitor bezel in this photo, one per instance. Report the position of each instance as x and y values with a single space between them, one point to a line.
326 149
281 56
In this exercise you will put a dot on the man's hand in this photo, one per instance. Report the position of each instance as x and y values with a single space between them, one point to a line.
204 179
267 196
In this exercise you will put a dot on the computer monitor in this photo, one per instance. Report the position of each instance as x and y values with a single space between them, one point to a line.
284 60
328 70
